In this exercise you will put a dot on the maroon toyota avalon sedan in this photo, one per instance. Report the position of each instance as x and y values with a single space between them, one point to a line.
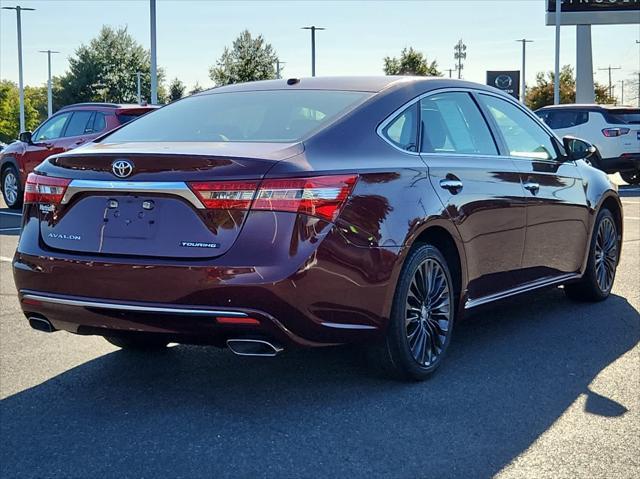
311 212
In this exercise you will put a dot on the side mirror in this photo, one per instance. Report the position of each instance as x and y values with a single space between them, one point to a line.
25 137
578 149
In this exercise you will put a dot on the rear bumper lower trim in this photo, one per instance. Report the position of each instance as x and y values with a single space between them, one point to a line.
131 307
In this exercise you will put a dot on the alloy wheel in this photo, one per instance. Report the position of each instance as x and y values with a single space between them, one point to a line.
428 312
606 254
10 187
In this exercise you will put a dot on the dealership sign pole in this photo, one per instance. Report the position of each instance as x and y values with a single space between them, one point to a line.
154 67
556 79
583 14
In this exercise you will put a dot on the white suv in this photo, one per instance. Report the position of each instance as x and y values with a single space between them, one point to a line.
613 130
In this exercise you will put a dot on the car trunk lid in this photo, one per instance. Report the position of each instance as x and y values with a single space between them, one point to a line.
176 201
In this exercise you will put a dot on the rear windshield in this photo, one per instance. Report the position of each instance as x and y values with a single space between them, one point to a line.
631 116
127 117
262 116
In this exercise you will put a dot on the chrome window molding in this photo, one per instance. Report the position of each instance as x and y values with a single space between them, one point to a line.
392 116
175 188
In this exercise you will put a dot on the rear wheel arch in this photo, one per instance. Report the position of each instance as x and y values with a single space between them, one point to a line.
449 244
612 203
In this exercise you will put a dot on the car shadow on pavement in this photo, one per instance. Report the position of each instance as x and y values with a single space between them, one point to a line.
201 412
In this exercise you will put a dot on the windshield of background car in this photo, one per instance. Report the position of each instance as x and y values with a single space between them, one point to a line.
260 116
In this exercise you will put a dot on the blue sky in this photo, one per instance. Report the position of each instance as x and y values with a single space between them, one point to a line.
192 35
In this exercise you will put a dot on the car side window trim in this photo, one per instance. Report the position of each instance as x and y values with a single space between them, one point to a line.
390 118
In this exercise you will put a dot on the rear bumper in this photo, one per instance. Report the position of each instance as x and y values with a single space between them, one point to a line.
625 162
305 289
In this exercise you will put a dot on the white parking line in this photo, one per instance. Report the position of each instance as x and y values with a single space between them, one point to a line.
11 213
5 259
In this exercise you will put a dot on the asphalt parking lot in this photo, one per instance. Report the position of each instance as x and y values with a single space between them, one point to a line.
537 387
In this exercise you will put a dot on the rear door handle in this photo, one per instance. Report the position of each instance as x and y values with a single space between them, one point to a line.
454 186
532 187
80 142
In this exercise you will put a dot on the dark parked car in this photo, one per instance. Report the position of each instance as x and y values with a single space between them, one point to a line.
70 127
312 212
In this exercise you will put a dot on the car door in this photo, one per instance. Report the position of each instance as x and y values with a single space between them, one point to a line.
557 208
480 189
46 141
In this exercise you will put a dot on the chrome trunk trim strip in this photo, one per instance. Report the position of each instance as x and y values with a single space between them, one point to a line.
175 188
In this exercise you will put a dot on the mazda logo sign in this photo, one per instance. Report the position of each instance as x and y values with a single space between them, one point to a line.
503 82
122 168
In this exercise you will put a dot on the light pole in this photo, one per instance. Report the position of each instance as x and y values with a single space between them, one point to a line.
49 86
154 65
18 9
313 29
556 79
523 81
138 74
278 69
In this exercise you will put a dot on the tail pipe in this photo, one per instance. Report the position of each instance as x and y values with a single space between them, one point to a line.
41 324
253 347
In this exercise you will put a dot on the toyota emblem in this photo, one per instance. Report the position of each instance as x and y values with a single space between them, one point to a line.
122 168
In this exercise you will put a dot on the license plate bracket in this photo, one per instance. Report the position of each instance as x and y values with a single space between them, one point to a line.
130 218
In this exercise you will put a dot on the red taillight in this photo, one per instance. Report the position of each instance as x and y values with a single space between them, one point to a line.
227 195
320 196
44 189
613 132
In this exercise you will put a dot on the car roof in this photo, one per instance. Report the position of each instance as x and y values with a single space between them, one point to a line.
114 106
373 84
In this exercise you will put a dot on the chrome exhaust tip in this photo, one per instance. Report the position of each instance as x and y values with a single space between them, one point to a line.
253 347
41 324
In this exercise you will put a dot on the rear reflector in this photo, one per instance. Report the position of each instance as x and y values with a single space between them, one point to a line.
320 196
235 320
226 195
44 189
613 132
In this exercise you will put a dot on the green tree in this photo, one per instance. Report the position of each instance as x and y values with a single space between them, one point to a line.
196 89
176 90
542 93
105 70
35 109
248 59
411 62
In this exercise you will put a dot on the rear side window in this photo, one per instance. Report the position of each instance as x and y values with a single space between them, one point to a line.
523 136
402 130
79 123
452 123
558 119
261 116
99 123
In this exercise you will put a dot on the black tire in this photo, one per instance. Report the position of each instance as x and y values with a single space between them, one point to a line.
138 342
631 177
399 353
598 278
11 188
